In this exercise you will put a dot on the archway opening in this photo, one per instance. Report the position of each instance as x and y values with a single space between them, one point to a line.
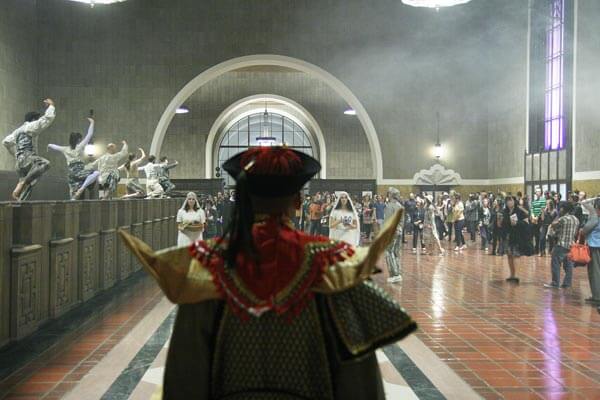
272 60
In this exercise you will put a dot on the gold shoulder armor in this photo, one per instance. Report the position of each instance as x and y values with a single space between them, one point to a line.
358 267
182 278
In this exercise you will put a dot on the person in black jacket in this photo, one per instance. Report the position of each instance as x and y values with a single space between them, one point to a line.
515 222
418 221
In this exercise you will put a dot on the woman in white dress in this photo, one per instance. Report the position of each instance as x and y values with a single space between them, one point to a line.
190 221
343 221
430 232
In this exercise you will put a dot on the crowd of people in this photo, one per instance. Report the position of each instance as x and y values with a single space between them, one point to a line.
500 224
106 170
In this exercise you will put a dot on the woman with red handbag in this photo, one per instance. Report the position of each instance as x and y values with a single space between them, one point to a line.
591 230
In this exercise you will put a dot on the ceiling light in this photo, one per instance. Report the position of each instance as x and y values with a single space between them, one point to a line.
350 111
92 3
182 110
434 3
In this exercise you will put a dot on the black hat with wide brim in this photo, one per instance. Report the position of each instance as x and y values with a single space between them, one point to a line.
273 185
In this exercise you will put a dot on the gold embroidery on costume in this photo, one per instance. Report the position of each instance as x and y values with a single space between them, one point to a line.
183 279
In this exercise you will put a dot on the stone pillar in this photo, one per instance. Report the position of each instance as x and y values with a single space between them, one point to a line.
6 239
164 224
156 224
29 287
148 207
123 254
32 225
137 227
173 209
63 257
108 243
89 249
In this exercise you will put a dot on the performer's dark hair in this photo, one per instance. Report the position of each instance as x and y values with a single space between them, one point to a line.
32 116
348 204
74 139
163 158
152 158
130 158
239 231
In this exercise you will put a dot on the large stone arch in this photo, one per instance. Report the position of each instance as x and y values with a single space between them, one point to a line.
276 60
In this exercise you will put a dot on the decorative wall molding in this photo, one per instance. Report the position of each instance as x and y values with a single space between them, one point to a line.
437 175
463 182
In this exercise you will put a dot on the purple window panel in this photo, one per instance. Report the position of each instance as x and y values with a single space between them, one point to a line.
554 113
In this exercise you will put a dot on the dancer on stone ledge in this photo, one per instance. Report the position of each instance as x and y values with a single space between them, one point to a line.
151 169
79 177
269 311
163 174
22 144
131 169
108 166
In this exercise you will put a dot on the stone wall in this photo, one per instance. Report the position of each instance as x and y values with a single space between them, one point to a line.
56 255
128 60
18 68
587 89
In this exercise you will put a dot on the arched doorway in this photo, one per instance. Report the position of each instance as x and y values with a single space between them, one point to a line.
246 130
246 106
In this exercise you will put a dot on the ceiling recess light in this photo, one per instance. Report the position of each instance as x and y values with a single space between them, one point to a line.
434 3
92 3
350 111
182 110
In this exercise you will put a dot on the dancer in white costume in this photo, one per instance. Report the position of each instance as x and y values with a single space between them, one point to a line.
22 144
152 169
108 166
343 221
430 233
190 221
79 176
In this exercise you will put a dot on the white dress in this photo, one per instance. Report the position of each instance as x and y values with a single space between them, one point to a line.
187 237
343 232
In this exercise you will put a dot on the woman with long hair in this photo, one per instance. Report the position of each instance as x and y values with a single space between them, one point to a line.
190 221
548 215
131 169
430 231
79 177
518 241
343 221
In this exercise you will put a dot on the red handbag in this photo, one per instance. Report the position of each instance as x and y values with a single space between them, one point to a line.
580 252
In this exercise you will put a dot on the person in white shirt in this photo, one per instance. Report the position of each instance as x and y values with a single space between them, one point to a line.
152 169
108 166
22 144
79 177
190 221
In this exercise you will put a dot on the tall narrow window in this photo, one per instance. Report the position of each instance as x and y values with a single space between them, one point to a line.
554 127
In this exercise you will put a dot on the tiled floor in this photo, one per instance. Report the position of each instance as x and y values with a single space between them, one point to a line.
506 341
60 368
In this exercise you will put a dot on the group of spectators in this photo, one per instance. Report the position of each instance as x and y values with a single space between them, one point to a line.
514 225
316 210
